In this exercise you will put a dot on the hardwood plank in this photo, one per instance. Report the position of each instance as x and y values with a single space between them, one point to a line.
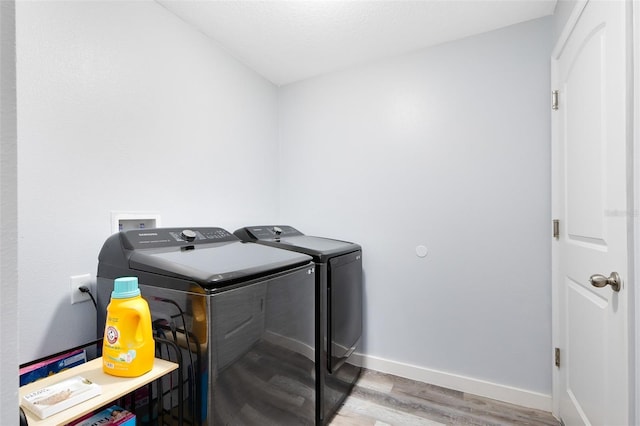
389 415
380 399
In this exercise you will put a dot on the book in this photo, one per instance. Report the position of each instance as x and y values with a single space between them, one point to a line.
112 416
52 399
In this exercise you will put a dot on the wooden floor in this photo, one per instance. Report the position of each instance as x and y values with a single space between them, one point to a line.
380 399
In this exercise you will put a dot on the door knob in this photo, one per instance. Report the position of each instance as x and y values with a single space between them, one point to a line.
613 280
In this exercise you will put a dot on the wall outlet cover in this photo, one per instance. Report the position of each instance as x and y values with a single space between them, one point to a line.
76 282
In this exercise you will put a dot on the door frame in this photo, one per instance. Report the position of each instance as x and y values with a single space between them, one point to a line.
633 197
634 300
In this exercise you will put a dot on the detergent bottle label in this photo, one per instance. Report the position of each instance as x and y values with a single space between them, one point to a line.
117 353
112 335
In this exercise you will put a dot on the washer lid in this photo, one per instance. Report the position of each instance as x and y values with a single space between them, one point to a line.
217 264
211 257
319 245
289 238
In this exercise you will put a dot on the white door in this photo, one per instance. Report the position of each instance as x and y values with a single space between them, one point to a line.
591 385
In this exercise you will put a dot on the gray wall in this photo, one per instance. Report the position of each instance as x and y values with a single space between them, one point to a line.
447 148
123 107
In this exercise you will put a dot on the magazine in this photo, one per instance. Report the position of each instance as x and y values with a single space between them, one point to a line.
51 366
50 400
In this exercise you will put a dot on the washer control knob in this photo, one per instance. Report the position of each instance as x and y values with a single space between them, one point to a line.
188 235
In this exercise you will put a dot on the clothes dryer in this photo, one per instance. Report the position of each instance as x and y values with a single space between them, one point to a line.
338 307
241 314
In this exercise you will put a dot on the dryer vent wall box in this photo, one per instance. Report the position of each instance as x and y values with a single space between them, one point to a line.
130 224
127 221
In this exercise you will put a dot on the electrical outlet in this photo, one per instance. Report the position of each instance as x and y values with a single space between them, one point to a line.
78 281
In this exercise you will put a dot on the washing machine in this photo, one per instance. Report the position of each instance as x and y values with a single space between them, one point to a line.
338 307
242 316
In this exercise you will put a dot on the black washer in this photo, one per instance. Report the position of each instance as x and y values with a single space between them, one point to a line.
241 317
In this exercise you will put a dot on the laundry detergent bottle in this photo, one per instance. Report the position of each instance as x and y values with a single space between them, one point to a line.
128 349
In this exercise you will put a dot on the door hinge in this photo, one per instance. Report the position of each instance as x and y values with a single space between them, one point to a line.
556 229
554 100
557 357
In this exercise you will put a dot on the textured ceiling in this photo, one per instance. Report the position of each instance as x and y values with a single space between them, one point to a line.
287 41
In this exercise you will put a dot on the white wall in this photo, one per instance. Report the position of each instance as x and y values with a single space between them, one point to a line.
447 148
561 16
8 216
123 107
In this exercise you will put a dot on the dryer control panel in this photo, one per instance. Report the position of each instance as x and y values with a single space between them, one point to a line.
271 232
174 237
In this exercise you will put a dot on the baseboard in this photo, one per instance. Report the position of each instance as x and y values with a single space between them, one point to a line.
470 385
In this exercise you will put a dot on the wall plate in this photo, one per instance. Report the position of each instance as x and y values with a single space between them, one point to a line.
76 282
